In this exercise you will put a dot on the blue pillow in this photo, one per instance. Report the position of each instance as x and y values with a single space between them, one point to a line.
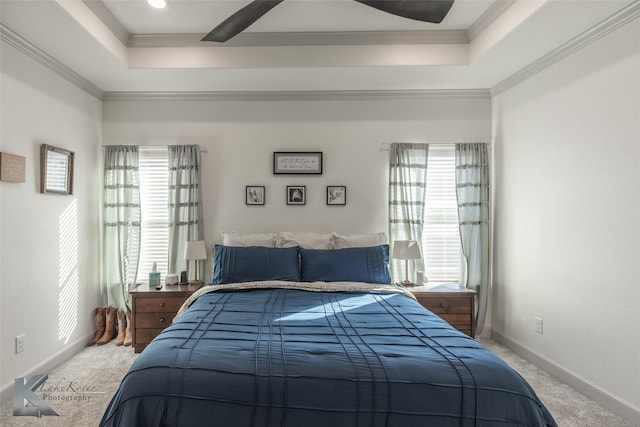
253 263
369 265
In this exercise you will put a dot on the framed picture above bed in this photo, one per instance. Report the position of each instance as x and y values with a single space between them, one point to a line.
297 163
336 195
296 195
254 195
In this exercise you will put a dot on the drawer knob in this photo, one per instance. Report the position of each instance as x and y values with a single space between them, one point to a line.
443 305
162 320
162 304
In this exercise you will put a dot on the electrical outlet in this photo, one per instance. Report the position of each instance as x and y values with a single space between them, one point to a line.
20 343
538 327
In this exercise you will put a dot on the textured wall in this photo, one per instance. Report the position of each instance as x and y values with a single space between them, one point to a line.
240 138
567 235
49 244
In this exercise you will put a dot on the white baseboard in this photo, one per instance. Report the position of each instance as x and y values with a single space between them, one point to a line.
609 401
6 392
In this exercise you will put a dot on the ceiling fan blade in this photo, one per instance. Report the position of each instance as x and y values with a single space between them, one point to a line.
420 10
240 20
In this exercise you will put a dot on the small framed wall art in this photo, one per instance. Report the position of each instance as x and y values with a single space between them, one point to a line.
56 170
336 195
296 194
12 167
297 163
254 195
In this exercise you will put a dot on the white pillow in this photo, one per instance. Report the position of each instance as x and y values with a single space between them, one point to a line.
341 241
305 240
233 238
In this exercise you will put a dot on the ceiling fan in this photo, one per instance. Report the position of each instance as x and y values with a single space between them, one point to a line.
420 10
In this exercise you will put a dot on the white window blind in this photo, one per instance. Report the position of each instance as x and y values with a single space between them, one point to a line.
154 201
440 236
57 171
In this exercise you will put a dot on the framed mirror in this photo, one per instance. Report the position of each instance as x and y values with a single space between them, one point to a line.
56 170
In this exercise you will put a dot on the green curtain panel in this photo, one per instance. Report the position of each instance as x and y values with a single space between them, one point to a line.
185 205
121 233
407 189
472 190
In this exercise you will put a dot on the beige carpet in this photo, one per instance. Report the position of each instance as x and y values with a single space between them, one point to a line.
97 369
100 369
568 407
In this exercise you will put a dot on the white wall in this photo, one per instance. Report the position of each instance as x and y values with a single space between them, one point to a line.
567 230
241 136
48 243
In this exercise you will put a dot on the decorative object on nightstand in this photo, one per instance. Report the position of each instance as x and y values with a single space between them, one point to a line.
406 250
154 277
171 279
195 250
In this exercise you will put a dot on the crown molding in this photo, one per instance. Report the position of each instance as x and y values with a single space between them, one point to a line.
488 17
306 38
335 95
615 21
30 50
103 13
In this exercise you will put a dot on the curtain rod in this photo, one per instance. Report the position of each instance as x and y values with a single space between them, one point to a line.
202 150
386 146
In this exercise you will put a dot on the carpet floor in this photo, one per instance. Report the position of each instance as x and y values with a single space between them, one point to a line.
95 373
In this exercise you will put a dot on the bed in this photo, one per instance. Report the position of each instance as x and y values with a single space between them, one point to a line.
347 349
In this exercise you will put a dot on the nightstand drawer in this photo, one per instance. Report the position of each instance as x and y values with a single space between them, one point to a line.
154 320
152 305
447 305
456 319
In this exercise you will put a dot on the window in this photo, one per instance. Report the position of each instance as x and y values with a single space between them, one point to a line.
440 236
154 202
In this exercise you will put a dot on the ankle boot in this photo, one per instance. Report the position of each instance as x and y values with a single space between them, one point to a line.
122 325
99 318
110 326
127 335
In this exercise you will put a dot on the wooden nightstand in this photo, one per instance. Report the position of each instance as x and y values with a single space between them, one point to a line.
153 310
451 302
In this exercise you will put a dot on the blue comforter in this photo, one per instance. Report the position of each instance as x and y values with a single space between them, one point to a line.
283 357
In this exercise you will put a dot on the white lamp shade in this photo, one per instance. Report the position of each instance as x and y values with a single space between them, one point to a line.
195 249
406 249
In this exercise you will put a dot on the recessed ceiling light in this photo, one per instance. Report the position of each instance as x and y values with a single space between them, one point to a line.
158 4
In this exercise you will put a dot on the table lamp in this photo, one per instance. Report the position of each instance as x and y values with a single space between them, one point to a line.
195 250
406 250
